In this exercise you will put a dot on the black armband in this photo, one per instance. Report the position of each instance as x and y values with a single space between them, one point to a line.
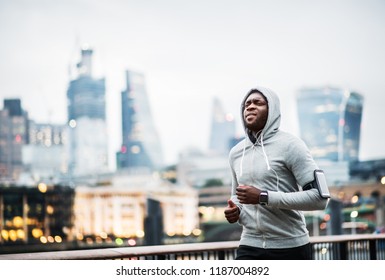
309 186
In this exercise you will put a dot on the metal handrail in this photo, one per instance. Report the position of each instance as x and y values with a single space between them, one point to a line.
205 250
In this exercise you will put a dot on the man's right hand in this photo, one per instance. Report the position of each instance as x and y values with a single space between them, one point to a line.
231 212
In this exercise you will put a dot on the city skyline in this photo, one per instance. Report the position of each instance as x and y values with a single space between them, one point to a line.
193 52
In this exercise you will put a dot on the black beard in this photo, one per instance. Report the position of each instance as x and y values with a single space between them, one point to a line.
255 126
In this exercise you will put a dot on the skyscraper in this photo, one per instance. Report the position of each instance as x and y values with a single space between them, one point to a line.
141 147
330 122
86 95
88 146
13 135
222 129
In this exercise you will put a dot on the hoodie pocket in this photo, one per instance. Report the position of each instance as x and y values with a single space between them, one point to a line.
248 215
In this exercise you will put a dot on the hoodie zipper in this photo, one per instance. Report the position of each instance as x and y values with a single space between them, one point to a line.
257 207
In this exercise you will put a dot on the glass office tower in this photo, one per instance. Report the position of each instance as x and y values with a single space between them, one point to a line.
88 146
13 135
141 148
222 129
330 122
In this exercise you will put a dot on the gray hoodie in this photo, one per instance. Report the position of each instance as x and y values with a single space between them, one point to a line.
279 163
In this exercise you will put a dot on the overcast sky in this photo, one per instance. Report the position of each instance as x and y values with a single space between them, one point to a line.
191 51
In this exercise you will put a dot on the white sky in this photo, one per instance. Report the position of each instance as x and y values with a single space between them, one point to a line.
191 51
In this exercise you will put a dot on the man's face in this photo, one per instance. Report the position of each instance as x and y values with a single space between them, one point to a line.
255 112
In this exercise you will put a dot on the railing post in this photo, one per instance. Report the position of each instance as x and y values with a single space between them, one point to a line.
221 255
373 249
161 257
343 251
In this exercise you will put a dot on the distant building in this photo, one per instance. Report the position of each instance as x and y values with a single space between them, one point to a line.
119 210
45 157
141 147
195 168
370 170
88 145
39 215
94 216
330 122
337 172
13 135
222 129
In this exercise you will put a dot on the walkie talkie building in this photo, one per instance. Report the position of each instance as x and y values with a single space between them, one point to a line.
330 122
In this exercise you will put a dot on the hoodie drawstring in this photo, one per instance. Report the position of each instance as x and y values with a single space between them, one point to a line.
264 155
267 162
243 156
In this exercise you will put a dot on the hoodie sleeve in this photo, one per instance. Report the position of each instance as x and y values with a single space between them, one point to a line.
305 200
302 165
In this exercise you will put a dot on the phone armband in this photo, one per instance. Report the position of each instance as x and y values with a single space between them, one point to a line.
321 184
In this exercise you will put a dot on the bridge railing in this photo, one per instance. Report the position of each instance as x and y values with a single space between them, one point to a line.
340 247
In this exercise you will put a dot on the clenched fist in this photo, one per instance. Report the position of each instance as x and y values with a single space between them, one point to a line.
231 212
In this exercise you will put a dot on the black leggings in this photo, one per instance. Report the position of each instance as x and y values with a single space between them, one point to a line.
254 253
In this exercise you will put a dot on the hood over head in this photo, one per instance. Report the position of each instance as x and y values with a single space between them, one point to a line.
271 127
274 114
